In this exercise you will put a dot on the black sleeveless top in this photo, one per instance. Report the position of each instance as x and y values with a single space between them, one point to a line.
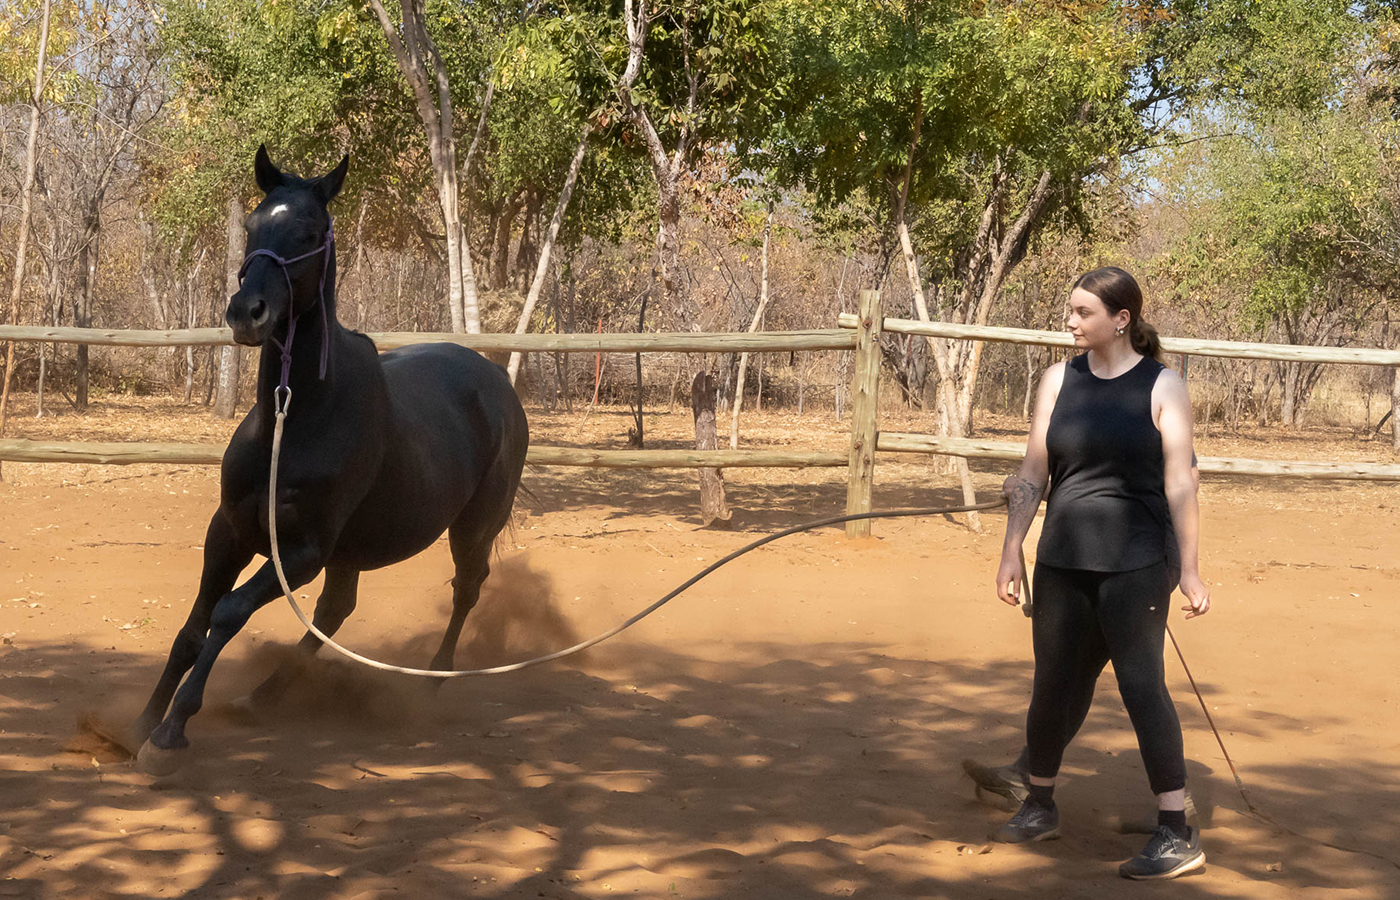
1107 506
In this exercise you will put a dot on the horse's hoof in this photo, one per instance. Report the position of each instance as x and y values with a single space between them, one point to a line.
156 761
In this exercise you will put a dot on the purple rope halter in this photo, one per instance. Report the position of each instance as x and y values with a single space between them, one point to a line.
286 348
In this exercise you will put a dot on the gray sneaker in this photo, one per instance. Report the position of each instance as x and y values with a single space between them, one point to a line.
1032 822
1165 856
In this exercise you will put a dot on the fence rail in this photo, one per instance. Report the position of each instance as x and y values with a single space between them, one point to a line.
672 342
842 338
130 453
1361 356
972 448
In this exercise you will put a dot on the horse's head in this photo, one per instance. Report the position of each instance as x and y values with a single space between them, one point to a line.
290 225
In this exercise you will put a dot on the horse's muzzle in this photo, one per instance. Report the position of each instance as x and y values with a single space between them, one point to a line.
249 320
248 335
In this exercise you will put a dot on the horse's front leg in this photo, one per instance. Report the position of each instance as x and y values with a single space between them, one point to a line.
301 562
224 558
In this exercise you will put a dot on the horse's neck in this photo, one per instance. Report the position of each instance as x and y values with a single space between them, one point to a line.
317 327
304 379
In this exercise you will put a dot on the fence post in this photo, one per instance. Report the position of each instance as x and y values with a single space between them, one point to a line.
865 405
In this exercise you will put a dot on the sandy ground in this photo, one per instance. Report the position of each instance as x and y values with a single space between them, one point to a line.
790 728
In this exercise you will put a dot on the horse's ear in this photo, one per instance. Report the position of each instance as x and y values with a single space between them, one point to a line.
328 185
267 175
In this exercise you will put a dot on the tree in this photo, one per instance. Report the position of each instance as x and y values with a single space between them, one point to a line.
26 199
1297 224
1293 206
119 97
423 67
687 75
964 124
312 82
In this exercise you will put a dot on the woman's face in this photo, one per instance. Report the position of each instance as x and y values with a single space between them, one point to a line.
1090 322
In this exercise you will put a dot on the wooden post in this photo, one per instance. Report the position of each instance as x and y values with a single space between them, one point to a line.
865 403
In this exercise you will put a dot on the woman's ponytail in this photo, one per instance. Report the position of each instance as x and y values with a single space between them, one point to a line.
1144 339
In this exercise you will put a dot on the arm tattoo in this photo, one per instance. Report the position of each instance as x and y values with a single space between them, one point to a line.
1023 499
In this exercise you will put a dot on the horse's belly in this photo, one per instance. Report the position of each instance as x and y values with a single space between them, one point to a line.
381 534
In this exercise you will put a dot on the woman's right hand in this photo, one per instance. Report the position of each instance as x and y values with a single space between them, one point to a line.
1009 577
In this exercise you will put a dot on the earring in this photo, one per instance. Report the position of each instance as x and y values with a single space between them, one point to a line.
1120 331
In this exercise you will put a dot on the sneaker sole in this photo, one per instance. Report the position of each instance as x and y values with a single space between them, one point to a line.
1188 866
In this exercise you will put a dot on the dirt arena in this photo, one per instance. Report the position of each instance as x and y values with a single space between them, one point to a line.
790 728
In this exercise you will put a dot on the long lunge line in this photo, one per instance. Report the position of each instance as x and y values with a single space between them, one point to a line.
597 639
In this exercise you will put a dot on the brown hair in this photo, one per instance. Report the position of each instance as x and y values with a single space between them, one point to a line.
1118 290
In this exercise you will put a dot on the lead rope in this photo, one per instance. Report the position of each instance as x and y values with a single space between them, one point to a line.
284 400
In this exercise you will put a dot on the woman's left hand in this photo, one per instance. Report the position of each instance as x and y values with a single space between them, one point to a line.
1195 590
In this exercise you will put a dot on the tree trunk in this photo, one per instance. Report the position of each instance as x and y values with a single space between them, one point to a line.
950 419
667 237
542 267
525 252
31 160
801 387
1395 411
666 168
82 297
361 313
469 272
738 402
1289 412
226 396
1003 261
500 247
638 436
423 68
191 320
1030 382
568 326
713 511
52 301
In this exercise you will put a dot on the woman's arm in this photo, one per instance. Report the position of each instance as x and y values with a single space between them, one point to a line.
1024 490
1172 405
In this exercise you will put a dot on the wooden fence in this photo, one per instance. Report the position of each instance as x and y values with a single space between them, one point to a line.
859 332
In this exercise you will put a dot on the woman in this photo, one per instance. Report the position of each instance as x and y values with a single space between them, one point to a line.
1111 435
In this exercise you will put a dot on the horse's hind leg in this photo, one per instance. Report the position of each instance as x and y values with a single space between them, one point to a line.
224 558
333 607
472 538
471 554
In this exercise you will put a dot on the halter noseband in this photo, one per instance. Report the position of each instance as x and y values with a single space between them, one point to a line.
286 348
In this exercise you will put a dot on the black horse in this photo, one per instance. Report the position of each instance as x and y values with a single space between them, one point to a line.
380 455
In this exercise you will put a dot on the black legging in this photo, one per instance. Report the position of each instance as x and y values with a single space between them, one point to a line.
1080 621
